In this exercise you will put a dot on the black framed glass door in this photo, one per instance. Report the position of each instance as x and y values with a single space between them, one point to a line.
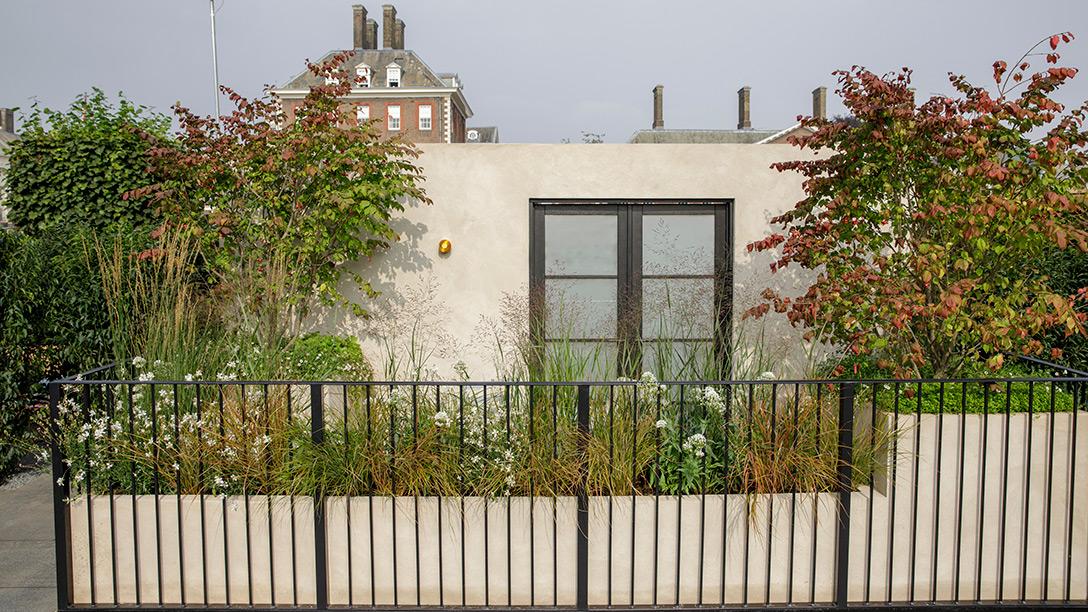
622 287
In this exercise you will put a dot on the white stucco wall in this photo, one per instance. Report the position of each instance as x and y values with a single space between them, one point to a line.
481 203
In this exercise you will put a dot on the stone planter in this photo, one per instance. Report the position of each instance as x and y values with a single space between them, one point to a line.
523 551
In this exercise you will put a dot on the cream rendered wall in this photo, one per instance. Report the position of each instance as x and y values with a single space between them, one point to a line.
481 199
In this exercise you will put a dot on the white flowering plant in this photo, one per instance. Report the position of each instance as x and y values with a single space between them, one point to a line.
644 437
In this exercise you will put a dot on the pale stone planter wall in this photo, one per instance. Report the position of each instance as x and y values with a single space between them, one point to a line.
751 524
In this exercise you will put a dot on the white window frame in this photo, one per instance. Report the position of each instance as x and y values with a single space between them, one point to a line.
392 76
392 113
362 113
429 117
364 73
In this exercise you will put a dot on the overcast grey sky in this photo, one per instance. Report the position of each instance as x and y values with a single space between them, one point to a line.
540 71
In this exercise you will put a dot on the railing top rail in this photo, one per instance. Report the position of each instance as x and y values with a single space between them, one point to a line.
593 383
81 375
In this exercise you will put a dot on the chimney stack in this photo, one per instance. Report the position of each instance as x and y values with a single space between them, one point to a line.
389 25
398 35
371 34
744 108
7 120
358 26
659 113
819 103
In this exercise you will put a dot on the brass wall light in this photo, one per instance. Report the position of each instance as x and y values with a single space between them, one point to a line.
444 247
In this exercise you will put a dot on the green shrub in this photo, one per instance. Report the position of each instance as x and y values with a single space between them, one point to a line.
75 167
52 323
318 356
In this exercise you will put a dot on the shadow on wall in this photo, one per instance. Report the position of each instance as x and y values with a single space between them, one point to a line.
382 272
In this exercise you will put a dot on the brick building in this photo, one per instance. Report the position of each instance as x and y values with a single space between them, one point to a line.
401 95
744 134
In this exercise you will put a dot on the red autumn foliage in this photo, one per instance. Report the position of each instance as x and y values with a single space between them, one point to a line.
922 224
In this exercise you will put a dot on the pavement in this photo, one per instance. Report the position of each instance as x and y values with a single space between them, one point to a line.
27 571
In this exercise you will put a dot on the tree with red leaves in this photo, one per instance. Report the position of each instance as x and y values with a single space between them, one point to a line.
923 223
287 198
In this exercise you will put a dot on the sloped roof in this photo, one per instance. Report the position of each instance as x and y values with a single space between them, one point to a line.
415 73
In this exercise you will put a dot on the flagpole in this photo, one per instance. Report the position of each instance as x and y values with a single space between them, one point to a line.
215 60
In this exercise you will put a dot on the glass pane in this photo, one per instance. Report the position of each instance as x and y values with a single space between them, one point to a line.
566 361
678 308
678 244
580 244
580 308
669 360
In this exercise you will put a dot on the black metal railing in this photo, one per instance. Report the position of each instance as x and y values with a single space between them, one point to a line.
221 494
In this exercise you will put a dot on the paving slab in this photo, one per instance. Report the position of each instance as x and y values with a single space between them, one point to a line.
27 571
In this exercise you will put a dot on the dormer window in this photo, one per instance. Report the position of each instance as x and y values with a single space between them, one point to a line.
362 74
392 76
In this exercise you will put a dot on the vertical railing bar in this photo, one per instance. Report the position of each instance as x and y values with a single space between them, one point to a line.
86 405
582 595
915 472
61 491
1027 496
509 526
1068 574
634 477
370 498
1004 494
155 489
267 452
291 501
347 498
461 482
892 486
845 480
872 491
818 415
132 466
702 513
226 540
657 491
725 490
487 543
555 501
439 495
959 493
611 448
393 487
415 492
793 496
200 488
747 506
109 401
982 490
177 475
770 497
532 495
679 500
317 434
937 494
1049 497
245 497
